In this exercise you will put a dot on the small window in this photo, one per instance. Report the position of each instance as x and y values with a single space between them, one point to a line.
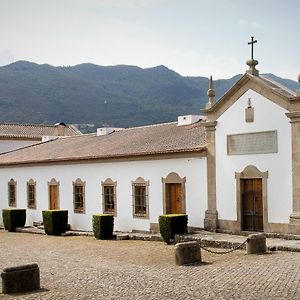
31 194
140 198
109 197
12 185
79 197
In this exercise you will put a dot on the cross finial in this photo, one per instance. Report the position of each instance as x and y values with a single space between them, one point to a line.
252 43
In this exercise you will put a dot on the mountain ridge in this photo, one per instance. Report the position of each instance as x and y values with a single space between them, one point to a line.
120 96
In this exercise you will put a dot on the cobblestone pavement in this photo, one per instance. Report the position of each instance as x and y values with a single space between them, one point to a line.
85 268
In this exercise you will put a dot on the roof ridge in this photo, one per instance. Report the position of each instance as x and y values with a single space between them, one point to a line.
34 125
280 85
150 125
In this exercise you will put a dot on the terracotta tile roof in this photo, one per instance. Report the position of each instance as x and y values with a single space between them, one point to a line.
33 131
139 141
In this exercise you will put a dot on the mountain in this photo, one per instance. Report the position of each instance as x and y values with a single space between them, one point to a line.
120 96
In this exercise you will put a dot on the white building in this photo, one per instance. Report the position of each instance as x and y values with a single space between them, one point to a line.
236 170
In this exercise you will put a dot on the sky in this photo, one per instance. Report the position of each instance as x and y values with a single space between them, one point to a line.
191 37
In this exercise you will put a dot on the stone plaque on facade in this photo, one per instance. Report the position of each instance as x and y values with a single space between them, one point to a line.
252 143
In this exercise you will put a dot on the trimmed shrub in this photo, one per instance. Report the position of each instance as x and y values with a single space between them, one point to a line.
13 217
55 221
172 224
103 225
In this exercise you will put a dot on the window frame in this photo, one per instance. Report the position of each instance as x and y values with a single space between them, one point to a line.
140 182
31 193
111 184
78 183
12 183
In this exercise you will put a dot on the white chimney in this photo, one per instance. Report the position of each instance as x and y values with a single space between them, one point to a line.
189 119
107 130
47 138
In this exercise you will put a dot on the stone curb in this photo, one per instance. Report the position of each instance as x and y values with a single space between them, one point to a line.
208 242
205 241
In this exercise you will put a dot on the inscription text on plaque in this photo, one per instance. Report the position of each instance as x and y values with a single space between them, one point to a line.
252 143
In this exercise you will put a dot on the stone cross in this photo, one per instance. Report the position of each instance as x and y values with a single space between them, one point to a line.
252 43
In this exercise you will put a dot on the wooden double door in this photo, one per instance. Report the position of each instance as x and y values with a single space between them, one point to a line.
174 196
252 204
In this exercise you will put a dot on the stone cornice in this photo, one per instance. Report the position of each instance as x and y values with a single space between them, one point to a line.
210 125
294 116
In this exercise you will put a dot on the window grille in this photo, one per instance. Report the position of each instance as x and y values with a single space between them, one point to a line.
79 196
109 197
12 193
140 198
31 194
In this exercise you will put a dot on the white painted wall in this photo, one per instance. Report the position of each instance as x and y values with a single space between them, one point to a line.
267 116
194 169
8 145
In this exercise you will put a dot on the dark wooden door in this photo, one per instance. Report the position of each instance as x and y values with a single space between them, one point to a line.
252 204
175 198
53 195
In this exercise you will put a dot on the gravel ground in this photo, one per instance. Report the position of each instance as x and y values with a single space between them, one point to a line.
85 268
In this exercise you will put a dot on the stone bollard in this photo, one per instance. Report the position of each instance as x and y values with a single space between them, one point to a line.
20 279
187 253
256 243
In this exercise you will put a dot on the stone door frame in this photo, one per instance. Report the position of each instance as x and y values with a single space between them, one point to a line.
173 178
251 172
53 182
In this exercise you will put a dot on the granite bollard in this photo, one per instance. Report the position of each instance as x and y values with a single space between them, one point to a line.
256 243
187 253
20 279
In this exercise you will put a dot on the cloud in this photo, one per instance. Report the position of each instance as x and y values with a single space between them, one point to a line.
6 57
252 24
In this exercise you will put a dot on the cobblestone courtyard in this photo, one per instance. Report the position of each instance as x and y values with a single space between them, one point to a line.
84 268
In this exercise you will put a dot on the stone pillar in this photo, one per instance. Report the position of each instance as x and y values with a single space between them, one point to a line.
294 224
211 214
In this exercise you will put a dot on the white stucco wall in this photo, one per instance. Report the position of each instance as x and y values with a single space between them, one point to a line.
267 116
8 145
194 169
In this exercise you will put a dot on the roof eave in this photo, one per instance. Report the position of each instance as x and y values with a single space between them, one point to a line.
132 156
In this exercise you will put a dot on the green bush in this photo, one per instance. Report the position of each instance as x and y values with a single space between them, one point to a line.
13 218
103 225
55 221
172 224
